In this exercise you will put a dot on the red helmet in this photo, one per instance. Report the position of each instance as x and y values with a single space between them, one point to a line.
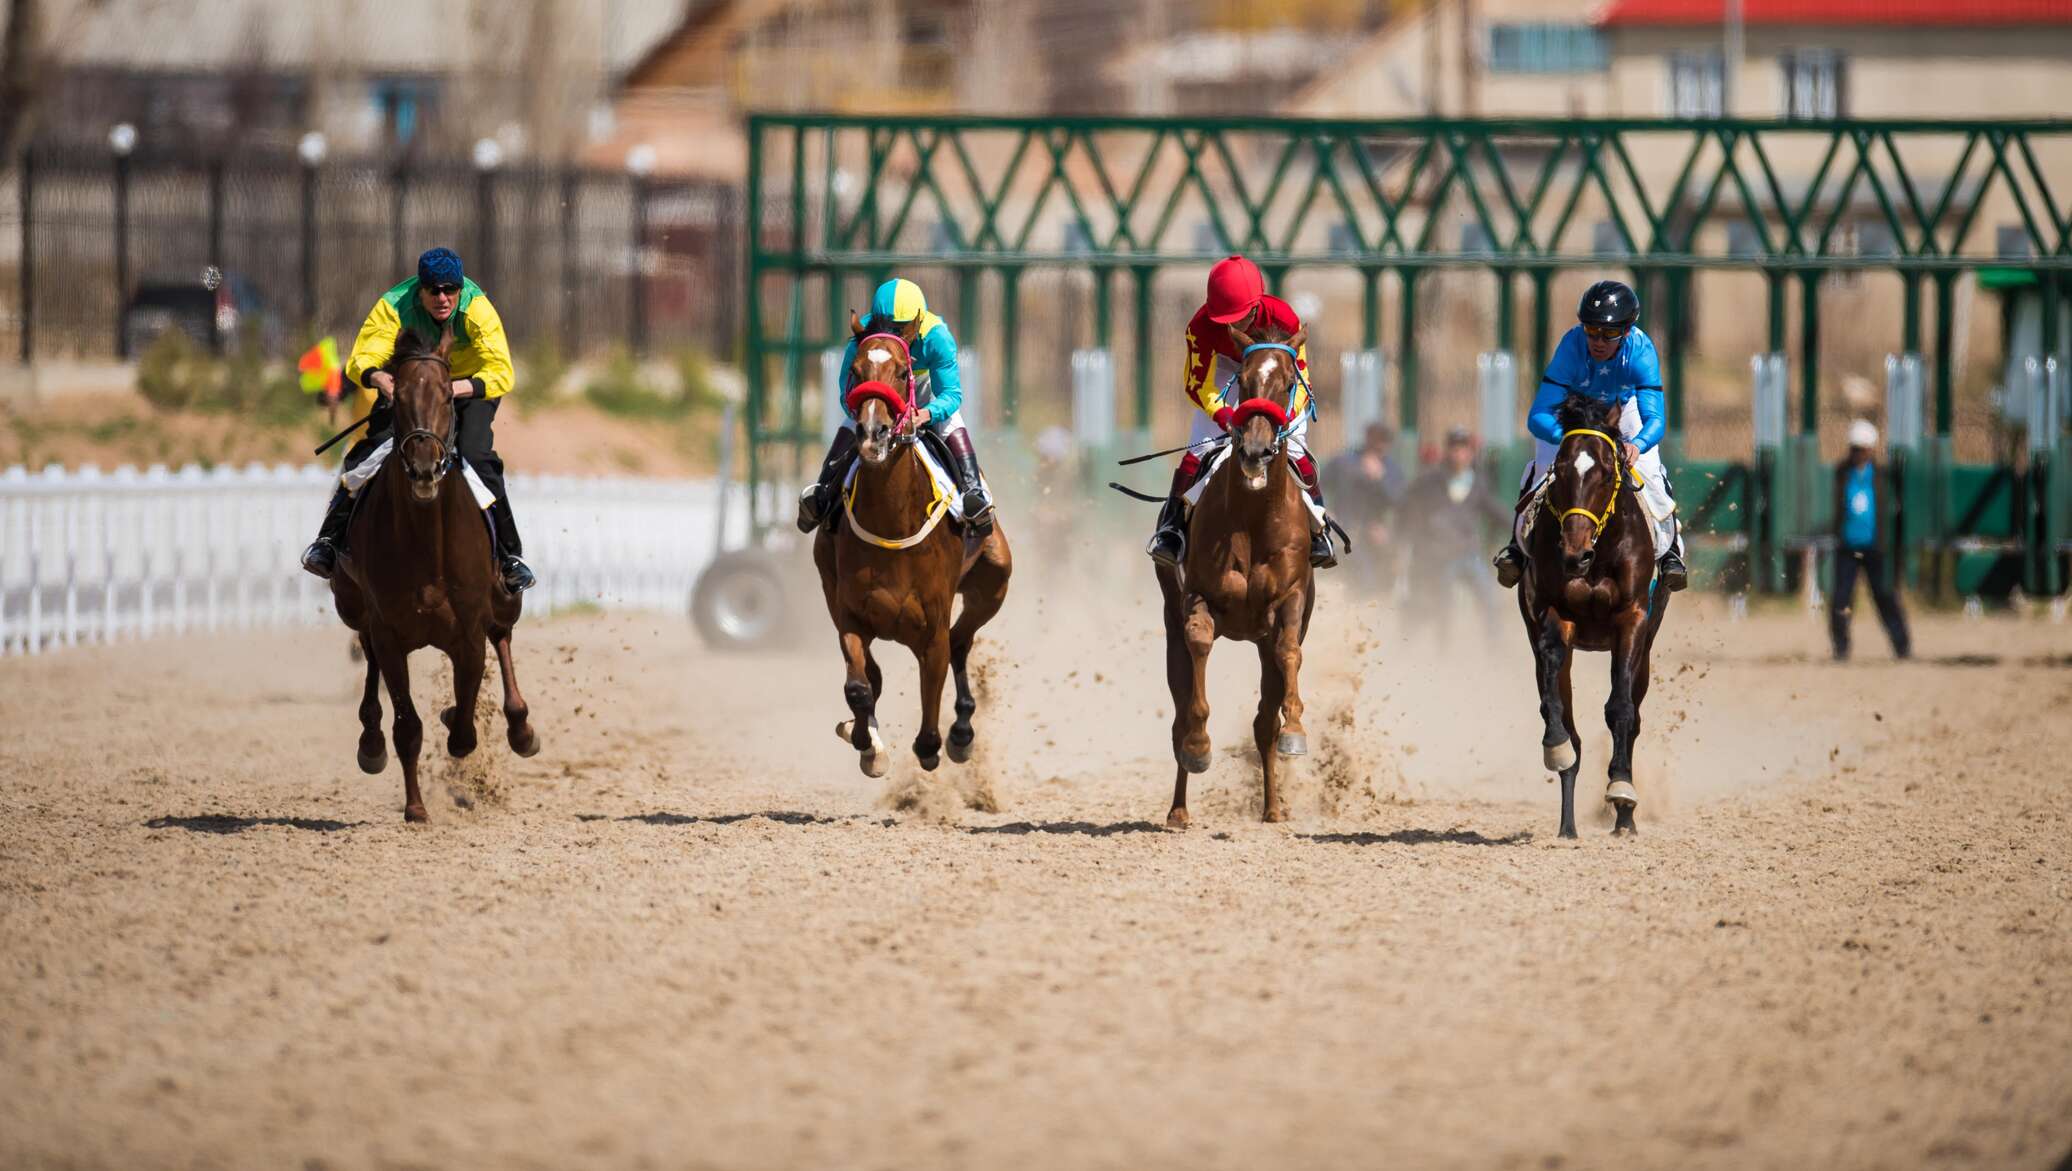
1235 288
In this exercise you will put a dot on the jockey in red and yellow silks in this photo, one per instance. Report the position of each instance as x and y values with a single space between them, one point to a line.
1237 298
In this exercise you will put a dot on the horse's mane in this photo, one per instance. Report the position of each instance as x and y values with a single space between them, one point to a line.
1580 412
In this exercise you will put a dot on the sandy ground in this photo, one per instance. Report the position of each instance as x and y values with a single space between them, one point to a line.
690 933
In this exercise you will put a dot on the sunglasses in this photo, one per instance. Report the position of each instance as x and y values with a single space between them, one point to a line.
446 290
1607 333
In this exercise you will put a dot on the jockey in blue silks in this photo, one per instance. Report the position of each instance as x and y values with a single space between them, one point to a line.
1608 357
937 386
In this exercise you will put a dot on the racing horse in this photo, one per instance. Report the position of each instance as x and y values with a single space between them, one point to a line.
1590 586
1246 576
892 565
418 571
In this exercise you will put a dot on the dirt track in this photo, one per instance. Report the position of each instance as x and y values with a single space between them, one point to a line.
690 933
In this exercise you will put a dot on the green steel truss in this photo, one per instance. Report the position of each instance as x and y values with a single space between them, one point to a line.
836 201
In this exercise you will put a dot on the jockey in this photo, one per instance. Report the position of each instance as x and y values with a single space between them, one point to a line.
1608 357
480 363
937 385
1237 299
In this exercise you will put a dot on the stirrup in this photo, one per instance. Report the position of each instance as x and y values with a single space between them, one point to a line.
812 511
1321 553
1168 547
517 574
978 513
1674 573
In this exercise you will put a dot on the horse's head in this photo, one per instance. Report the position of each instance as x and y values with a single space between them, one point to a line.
425 418
1266 378
884 355
1587 468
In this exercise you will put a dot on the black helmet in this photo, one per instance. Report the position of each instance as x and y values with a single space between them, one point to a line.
1609 303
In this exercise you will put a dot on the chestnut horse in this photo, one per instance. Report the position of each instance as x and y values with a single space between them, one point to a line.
418 571
893 564
1246 576
1590 586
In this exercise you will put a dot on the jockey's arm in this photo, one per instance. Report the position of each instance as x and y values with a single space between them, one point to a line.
1654 423
491 369
937 354
1566 370
372 349
1540 421
1201 381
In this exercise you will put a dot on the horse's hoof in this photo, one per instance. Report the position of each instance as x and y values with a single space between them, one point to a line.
414 813
1195 764
1177 819
446 718
372 763
959 753
847 731
929 763
1559 757
458 748
524 741
1568 832
874 764
1622 795
1292 744
1627 830
1278 813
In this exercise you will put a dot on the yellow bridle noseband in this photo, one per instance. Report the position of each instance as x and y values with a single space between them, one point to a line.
1618 476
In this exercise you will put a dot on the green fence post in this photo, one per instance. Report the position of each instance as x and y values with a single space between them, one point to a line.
1406 364
1370 307
1104 308
1677 335
753 321
1542 321
1145 274
1506 309
1010 345
1940 451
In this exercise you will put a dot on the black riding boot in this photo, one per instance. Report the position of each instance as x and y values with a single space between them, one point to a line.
1169 543
321 558
1671 569
518 576
1510 564
816 503
977 506
1321 553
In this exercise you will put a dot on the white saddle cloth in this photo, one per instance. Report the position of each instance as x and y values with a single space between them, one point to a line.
945 483
1214 459
356 478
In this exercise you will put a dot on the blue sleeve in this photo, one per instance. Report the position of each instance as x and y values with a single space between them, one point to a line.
1565 371
841 386
939 357
1647 384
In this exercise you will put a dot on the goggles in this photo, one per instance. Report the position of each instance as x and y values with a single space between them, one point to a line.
1607 333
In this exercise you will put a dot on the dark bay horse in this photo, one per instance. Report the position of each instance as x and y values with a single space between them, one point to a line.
893 565
1246 576
1590 586
418 571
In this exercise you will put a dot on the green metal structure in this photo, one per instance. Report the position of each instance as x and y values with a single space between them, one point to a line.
837 202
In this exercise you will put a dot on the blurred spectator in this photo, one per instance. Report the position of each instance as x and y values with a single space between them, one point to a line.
1857 525
1367 485
1449 514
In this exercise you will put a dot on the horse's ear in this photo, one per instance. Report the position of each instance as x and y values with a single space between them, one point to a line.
445 338
855 324
1238 335
1301 336
910 331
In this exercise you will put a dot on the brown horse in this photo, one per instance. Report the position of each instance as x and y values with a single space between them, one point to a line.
1590 586
892 565
418 571
1246 576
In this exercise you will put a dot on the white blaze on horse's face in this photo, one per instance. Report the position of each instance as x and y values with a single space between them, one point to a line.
1267 367
878 354
1583 462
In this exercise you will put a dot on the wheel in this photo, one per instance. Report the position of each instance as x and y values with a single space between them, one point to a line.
740 602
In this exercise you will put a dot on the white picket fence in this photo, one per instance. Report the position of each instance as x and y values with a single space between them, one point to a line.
89 556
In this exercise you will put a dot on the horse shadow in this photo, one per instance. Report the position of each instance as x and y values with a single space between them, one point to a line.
1420 837
783 816
1086 828
229 823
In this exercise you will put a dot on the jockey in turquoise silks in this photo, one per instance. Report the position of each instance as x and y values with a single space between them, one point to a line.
938 391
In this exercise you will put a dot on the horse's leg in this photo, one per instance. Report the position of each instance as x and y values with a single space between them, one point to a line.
373 748
1622 715
1273 691
467 683
1287 653
1575 743
984 591
517 714
1558 748
408 730
1180 682
1191 722
861 729
934 659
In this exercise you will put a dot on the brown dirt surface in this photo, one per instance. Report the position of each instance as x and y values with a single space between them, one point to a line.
691 934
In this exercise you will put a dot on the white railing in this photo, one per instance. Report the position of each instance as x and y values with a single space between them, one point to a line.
91 556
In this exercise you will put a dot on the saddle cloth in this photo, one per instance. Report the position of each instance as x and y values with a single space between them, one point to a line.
945 483
357 477
1214 459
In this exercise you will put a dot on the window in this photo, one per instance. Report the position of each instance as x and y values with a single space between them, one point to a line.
1545 48
1697 84
1813 84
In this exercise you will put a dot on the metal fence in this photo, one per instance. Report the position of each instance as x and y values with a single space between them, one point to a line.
94 557
578 258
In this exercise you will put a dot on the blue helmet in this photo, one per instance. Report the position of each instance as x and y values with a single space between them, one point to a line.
439 266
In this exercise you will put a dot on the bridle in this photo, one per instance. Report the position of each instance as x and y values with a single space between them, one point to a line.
1619 473
448 447
1309 407
899 435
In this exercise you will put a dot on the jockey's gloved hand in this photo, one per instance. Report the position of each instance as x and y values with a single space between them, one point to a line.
1223 417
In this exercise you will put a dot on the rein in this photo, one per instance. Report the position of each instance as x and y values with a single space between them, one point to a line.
910 409
1309 408
938 507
